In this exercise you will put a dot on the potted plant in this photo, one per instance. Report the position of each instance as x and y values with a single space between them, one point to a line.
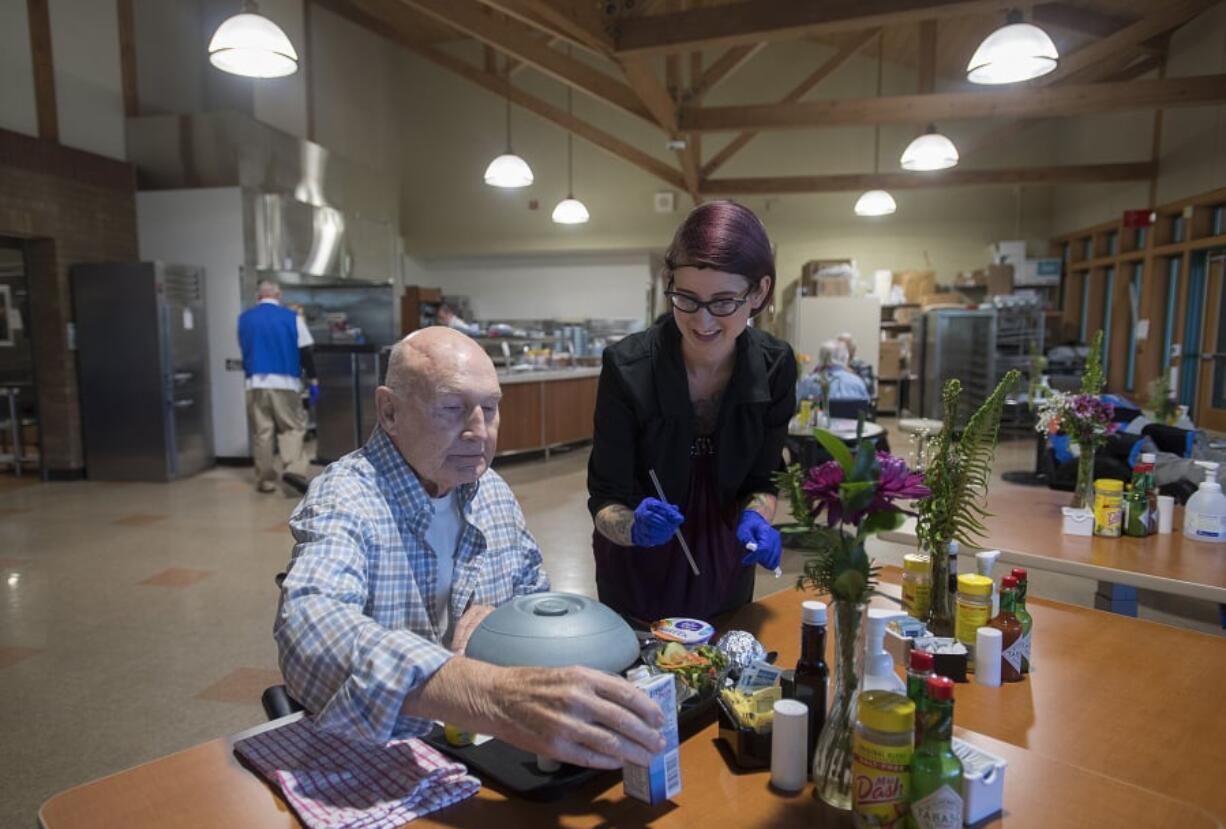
1084 417
958 477
836 507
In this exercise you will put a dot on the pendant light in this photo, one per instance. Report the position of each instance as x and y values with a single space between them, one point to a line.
930 151
508 170
876 202
570 211
251 45
1015 52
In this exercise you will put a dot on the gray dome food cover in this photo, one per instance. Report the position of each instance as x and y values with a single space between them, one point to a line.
555 630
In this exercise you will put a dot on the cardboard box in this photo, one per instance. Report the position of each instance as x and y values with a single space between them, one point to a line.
889 359
999 279
945 299
887 397
916 284
827 277
906 316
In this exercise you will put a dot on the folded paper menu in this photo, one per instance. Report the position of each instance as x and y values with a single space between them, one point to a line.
335 783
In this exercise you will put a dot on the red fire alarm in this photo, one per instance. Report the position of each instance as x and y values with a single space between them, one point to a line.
1139 218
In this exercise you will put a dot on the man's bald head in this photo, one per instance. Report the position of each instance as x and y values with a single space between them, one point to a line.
268 289
440 407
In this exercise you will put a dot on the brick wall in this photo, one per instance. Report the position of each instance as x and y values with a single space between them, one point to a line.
69 207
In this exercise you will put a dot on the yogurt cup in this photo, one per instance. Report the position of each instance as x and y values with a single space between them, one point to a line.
689 632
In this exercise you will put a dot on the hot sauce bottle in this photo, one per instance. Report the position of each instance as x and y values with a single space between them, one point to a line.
1010 627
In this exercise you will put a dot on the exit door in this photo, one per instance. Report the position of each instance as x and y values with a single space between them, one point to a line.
1211 382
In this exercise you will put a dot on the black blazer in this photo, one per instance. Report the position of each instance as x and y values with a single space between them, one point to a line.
644 419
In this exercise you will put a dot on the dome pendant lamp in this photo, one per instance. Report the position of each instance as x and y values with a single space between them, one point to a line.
1013 53
251 45
508 170
876 202
930 151
570 211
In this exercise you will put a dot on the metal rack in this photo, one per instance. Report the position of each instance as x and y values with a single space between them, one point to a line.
956 343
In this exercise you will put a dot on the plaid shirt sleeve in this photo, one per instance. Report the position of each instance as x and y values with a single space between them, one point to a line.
353 672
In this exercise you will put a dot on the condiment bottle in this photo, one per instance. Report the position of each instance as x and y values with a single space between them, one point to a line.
881 751
974 610
812 675
916 584
936 772
917 679
1136 512
1148 460
1010 631
1023 615
1108 507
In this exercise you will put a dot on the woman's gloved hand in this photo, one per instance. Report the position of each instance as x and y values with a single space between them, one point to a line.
654 522
754 529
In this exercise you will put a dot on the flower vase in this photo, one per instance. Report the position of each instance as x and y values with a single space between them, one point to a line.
832 757
942 607
1083 495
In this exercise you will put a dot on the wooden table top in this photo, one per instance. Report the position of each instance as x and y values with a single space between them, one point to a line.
1119 726
1025 525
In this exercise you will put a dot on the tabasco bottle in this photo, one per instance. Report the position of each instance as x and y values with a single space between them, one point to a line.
1010 628
1023 615
936 772
917 682
812 675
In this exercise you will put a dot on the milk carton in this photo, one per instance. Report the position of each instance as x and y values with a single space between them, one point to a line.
661 780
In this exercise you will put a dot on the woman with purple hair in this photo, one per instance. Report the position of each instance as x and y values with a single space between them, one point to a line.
702 399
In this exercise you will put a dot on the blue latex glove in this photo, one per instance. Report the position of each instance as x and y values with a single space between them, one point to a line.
755 529
654 522
313 393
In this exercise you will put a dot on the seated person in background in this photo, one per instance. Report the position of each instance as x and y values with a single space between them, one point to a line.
448 317
858 367
407 544
832 368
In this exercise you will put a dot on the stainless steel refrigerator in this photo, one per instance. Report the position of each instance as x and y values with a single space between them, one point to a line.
142 360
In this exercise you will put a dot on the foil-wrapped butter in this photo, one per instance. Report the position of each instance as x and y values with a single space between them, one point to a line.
742 650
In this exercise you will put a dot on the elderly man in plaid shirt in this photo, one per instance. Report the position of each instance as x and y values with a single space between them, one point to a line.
404 546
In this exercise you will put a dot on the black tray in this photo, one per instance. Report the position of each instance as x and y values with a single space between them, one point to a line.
513 771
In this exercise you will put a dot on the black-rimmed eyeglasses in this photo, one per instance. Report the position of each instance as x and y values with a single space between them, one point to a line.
722 307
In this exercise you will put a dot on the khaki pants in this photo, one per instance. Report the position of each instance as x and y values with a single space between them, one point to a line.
276 414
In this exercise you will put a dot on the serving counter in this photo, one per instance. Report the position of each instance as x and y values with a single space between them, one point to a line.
546 408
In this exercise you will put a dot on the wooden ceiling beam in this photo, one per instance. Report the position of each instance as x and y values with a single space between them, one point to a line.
754 21
803 88
723 67
663 109
927 68
1071 99
519 42
1169 14
543 15
857 182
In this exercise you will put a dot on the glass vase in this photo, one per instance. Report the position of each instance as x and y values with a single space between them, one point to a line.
832 757
942 609
1083 495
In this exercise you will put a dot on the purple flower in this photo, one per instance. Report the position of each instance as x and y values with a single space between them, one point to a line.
897 483
822 487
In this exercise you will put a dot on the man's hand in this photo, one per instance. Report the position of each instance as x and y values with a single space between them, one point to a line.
580 716
575 715
467 624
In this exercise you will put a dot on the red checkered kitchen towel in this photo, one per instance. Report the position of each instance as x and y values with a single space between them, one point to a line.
334 783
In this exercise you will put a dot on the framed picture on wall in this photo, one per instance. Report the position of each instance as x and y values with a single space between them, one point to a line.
6 310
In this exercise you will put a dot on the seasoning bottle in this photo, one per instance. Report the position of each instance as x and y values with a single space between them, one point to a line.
916 584
1010 631
812 676
917 679
881 751
974 610
1023 615
1136 512
936 772
1148 460
1108 507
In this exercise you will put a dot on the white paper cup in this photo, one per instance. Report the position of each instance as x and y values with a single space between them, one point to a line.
1166 514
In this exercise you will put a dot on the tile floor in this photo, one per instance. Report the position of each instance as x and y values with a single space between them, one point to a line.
136 619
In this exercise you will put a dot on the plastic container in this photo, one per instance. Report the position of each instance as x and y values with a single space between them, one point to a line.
881 748
1204 517
916 584
879 672
983 782
974 610
1108 507
689 632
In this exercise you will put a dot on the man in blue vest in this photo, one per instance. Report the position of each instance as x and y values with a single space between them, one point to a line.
276 349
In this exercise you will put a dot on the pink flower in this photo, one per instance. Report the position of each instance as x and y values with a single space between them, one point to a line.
822 487
897 483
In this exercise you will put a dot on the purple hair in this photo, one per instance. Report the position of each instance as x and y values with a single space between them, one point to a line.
724 236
